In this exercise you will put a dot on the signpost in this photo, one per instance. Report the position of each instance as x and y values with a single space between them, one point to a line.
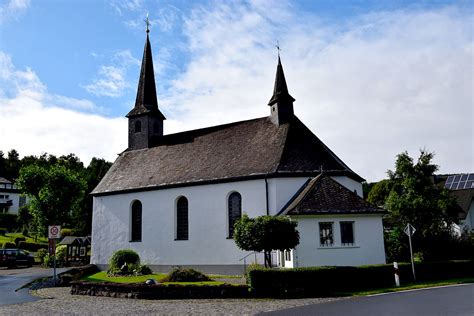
54 233
410 230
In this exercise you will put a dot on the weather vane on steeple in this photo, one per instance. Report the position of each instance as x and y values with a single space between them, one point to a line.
278 48
147 21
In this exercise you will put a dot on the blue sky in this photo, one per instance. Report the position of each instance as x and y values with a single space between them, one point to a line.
402 69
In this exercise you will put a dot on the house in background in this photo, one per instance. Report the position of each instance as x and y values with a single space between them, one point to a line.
175 198
462 188
10 198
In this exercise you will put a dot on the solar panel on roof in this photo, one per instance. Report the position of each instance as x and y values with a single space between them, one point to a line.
460 181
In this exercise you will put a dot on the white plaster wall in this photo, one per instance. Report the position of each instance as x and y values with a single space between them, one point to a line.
207 216
281 190
15 197
368 238
350 184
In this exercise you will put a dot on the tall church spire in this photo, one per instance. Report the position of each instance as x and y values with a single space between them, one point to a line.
281 102
145 119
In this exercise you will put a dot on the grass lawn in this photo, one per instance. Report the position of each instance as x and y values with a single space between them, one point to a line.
410 286
11 237
103 277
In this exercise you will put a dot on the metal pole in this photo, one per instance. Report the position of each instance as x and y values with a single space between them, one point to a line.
54 263
411 254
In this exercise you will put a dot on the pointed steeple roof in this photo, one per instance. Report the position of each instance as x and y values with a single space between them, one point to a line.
280 91
146 101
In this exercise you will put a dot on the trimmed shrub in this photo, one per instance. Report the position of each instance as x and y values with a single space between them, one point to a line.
185 275
61 254
31 246
326 281
66 232
19 239
126 258
8 244
41 253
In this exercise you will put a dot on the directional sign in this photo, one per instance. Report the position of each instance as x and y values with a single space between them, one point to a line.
409 230
54 231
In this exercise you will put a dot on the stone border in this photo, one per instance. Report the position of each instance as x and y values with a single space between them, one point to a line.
159 291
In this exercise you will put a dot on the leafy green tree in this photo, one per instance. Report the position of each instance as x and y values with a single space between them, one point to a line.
413 198
12 165
266 233
379 192
55 192
92 175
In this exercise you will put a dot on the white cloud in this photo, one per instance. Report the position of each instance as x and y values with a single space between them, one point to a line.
111 80
33 121
12 9
126 5
381 84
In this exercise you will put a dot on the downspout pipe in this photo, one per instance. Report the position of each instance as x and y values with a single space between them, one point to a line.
266 194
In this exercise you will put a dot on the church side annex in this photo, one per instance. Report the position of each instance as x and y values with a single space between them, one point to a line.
174 198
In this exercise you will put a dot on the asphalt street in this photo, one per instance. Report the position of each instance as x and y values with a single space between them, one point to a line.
12 279
451 300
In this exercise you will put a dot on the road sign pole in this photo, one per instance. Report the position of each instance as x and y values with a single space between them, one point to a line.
411 253
54 265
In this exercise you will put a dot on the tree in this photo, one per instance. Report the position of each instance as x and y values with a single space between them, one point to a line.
92 175
266 233
413 198
55 191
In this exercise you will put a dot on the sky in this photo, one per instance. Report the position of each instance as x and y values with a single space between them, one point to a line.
371 79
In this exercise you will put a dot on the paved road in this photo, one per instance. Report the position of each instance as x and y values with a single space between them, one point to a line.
451 300
12 279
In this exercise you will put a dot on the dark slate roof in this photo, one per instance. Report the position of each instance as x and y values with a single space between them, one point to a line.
464 199
323 195
71 240
146 101
280 89
243 150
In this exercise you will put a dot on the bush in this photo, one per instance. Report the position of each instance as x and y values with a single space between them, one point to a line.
252 267
142 269
126 257
31 246
185 275
8 244
61 253
19 239
41 253
48 260
325 281
66 232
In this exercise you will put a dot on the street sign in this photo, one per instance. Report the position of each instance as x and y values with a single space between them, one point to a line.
409 230
54 231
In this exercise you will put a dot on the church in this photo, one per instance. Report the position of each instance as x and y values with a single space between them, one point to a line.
174 198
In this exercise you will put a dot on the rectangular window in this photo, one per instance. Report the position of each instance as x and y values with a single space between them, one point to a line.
347 233
325 234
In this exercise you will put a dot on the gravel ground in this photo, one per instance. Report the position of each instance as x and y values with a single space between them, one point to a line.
58 301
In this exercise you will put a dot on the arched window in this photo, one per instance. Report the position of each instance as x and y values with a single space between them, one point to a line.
235 210
182 219
138 127
136 221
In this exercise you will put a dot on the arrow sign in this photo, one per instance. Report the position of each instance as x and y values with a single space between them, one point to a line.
409 230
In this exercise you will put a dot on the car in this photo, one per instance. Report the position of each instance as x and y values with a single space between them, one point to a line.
15 257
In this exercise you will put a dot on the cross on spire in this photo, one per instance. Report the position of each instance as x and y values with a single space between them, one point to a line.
147 22
278 48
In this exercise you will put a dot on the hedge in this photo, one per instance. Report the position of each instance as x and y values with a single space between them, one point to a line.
8 244
31 246
326 281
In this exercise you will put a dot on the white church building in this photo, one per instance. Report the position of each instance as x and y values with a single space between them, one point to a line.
173 198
